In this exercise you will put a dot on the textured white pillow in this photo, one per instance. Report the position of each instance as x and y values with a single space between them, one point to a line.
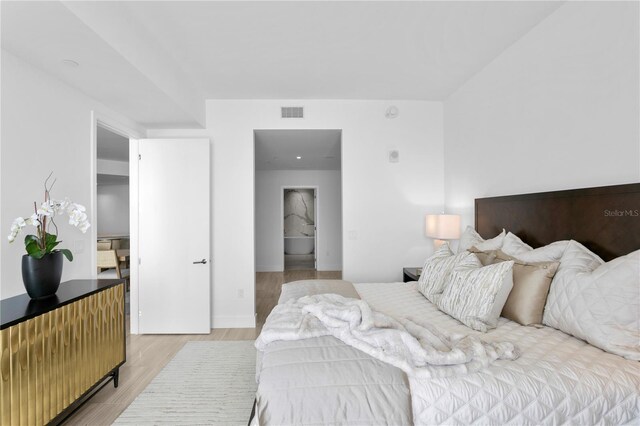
514 246
596 301
437 268
441 252
476 296
577 259
470 238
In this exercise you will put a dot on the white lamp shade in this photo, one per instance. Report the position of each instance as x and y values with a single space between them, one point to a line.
443 226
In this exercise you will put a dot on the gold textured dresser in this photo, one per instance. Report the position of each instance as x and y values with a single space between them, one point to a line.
55 352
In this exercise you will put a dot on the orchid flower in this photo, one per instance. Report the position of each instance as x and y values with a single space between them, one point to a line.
16 227
44 242
33 220
46 209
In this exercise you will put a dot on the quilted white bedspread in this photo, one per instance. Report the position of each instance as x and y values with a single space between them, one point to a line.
558 379
321 380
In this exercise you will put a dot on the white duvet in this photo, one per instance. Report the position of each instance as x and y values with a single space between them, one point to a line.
557 379
420 350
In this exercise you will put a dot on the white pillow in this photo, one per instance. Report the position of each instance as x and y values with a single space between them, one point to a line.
436 269
514 246
575 260
441 252
596 301
476 296
470 238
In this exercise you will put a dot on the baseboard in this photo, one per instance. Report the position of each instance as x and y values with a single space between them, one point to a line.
330 268
239 321
268 268
278 268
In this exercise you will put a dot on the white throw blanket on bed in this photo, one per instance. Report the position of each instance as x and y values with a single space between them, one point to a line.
420 350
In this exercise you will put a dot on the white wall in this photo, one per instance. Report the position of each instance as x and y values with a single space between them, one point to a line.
46 126
113 209
558 109
383 203
269 238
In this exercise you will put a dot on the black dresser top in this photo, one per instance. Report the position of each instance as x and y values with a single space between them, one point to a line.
20 308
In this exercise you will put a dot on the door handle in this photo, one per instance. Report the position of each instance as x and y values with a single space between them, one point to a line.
203 261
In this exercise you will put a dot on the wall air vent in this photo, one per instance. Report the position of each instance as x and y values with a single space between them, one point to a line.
292 112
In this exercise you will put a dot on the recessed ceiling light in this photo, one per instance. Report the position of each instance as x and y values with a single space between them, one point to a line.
299 158
70 63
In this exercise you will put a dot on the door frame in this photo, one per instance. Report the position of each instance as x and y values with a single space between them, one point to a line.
115 126
316 192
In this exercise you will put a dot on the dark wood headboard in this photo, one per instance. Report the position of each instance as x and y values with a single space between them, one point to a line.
605 219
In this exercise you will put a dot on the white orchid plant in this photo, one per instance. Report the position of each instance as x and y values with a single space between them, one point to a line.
44 242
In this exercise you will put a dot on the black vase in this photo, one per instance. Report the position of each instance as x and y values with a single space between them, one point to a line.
41 277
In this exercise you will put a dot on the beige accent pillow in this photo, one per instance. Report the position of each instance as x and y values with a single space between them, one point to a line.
531 282
486 257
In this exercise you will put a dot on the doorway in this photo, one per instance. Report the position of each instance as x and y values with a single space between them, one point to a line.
304 167
112 188
112 207
299 226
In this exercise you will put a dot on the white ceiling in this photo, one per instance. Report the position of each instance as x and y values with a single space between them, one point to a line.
343 50
44 33
157 61
278 149
111 146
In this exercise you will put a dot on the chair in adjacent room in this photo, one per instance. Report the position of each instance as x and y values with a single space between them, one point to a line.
108 260
104 245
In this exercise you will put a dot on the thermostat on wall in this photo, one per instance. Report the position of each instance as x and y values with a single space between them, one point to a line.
392 112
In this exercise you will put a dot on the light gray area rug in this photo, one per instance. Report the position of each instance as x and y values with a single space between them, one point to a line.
206 383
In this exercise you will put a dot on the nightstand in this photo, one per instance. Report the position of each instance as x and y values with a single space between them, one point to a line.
410 274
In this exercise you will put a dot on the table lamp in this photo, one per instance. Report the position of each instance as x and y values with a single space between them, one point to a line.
442 227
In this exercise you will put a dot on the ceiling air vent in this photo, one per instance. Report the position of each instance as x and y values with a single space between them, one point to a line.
292 112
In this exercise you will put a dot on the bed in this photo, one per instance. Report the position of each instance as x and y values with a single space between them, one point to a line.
558 378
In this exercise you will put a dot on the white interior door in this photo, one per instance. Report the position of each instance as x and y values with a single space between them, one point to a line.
174 271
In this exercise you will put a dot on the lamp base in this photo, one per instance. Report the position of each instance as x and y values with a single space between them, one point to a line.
438 243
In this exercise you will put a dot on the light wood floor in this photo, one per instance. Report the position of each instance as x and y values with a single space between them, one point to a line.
148 354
